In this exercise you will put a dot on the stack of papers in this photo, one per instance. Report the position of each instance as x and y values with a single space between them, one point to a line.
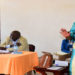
54 68
4 51
61 63
60 53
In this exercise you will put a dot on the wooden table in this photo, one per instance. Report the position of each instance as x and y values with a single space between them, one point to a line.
61 71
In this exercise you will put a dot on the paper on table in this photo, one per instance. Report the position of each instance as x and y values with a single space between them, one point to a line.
54 68
61 63
4 51
16 52
60 53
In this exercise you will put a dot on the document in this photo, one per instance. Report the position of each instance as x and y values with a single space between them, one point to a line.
4 51
60 53
54 68
61 63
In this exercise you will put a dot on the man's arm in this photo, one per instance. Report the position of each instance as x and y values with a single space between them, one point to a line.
5 42
23 44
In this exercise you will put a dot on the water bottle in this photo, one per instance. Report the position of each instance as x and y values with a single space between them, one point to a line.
15 48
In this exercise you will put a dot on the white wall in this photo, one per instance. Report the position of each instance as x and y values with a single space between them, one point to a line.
38 20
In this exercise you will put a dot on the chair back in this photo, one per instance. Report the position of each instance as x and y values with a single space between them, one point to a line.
31 47
46 60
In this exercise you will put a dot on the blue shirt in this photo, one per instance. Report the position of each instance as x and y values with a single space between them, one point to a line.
66 46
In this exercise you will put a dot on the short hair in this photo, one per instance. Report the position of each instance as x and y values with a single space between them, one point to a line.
15 35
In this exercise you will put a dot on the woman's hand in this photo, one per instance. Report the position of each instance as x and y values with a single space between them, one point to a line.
65 33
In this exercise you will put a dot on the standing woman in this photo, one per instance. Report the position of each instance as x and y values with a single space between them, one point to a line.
72 61
72 35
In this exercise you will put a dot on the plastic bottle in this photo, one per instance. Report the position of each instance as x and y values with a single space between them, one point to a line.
15 48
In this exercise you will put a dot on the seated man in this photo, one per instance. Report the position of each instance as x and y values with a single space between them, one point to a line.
15 38
66 45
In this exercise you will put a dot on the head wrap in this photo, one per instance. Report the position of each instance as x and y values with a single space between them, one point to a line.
72 32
